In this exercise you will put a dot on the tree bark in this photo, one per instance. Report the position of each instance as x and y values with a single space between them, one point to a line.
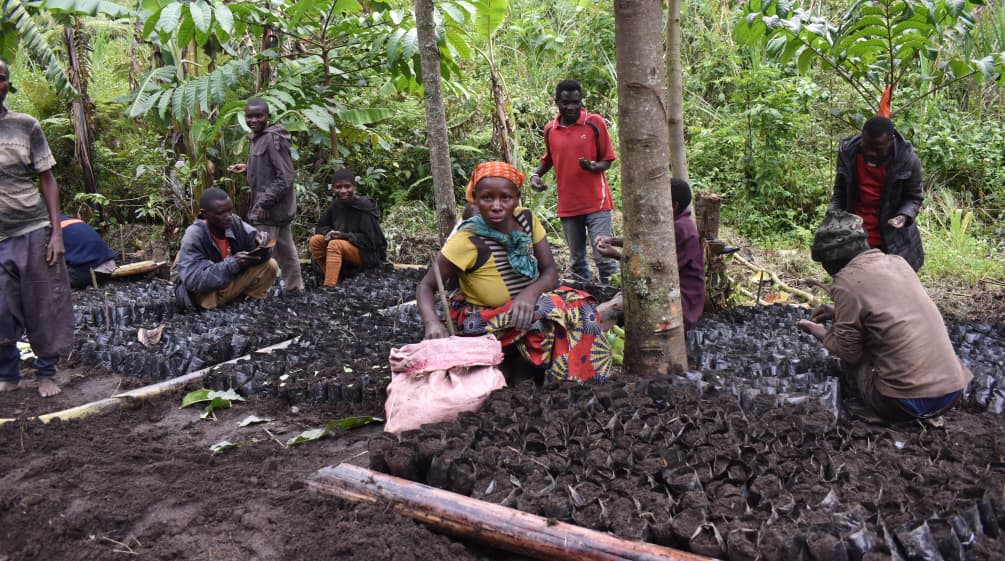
654 327
77 74
496 525
436 120
675 92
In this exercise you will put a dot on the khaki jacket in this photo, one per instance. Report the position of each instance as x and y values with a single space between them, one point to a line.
881 308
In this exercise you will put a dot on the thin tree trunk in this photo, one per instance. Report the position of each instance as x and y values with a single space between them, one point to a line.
654 334
83 135
503 128
675 92
436 120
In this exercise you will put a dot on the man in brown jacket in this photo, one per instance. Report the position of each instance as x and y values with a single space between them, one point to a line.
886 328
273 198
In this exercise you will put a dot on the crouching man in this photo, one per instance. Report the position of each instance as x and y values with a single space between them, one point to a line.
222 257
886 328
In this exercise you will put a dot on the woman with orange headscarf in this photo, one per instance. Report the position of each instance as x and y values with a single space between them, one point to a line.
508 284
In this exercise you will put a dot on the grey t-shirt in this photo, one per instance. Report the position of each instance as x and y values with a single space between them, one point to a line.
24 154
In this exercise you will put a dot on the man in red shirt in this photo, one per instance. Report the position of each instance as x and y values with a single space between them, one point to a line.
577 145
879 179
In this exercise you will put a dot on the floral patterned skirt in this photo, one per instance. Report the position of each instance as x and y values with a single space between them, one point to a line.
564 336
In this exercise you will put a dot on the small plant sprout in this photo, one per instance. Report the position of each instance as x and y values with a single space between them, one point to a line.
217 400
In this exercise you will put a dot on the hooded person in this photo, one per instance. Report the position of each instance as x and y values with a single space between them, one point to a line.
508 284
348 237
885 328
273 198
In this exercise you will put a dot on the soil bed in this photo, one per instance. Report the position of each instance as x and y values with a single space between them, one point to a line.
741 459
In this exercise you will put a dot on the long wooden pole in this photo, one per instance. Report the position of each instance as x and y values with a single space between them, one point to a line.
492 524
443 296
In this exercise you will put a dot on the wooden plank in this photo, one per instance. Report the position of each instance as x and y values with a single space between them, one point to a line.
488 523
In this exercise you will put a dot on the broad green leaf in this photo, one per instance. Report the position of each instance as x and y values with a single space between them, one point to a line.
224 21
169 19
452 11
230 395
351 422
193 397
319 116
306 436
186 31
201 15
346 6
164 105
410 43
88 8
955 7
489 15
253 420
364 116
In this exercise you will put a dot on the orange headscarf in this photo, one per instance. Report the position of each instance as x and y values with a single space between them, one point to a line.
492 169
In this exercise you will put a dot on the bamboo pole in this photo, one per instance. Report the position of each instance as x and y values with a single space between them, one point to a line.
489 523
146 392
443 296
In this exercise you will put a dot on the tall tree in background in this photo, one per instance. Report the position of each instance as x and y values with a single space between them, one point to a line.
654 328
436 120
675 92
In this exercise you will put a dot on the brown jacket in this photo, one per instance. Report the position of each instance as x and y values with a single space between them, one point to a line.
881 308
270 176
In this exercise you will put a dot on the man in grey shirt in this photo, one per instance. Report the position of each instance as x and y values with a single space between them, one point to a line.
34 284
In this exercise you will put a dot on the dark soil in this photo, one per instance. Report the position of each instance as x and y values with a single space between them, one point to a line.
741 458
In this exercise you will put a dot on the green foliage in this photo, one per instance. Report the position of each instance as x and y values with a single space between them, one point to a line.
874 43
16 16
348 423
616 338
213 399
956 245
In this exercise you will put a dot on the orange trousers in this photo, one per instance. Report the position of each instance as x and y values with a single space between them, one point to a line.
330 255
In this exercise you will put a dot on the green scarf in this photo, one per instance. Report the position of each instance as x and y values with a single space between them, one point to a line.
518 245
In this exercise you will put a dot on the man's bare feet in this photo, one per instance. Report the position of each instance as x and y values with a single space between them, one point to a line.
9 386
48 388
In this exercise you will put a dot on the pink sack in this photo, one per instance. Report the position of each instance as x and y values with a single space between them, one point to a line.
436 379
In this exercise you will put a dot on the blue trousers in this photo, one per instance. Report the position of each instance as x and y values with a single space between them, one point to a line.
576 229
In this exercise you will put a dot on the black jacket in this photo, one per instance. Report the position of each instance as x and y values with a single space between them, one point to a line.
902 194
201 268
359 222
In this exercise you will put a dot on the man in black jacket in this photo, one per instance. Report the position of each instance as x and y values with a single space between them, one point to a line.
879 179
349 231
222 257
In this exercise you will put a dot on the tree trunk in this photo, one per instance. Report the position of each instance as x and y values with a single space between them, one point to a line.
484 522
654 327
77 73
675 92
500 118
436 120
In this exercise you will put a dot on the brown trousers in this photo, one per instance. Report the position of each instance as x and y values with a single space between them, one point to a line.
330 255
253 282
285 254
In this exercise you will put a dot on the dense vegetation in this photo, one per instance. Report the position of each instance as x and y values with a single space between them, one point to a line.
162 87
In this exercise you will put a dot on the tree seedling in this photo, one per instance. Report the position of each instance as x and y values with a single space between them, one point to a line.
216 400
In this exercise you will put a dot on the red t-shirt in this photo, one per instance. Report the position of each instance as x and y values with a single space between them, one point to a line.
222 244
579 191
870 191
